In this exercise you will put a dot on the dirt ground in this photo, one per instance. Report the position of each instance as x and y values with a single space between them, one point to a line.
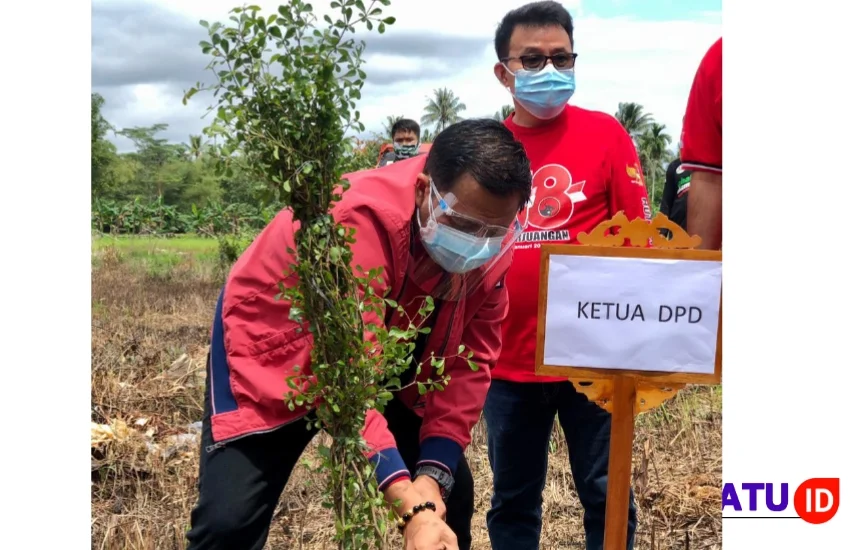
150 326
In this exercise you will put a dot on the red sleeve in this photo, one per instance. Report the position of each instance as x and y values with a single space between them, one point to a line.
627 184
451 414
373 248
702 139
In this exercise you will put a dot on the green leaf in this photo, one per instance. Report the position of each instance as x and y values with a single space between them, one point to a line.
188 95
275 31
389 20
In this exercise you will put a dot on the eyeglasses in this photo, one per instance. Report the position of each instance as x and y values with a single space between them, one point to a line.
444 213
534 62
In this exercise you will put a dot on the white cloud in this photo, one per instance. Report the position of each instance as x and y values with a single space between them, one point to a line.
620 60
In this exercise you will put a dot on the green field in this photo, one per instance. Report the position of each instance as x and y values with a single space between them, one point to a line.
157 257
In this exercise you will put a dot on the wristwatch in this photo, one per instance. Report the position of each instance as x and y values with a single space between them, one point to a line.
442 477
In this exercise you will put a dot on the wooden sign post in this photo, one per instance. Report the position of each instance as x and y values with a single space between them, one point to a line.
630 326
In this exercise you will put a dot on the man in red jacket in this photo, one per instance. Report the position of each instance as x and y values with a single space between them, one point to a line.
440 225
585 170
702 149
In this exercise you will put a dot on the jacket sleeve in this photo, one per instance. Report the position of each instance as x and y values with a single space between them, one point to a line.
627 184
451 414
373 248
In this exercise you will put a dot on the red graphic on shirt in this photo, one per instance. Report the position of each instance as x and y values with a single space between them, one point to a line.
553 198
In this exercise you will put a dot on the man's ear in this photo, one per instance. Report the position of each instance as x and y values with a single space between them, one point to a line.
422 183
502 75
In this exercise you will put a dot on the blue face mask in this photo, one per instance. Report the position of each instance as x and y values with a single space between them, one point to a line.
456 251
544 93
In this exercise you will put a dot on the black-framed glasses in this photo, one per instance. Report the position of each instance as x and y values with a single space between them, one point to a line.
534 62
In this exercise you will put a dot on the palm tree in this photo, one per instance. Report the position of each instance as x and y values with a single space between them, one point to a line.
633 119
653 144
427 137
442 110
388 125
196 147
503 113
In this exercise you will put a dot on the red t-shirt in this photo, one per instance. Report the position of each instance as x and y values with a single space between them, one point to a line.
585 169
702 134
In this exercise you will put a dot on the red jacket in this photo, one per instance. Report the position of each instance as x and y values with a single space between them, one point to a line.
255 345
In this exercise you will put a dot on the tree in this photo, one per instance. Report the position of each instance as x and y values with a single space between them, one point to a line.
103 153
503 114
152 153
633 119
196 146
653 144
285 94
427 136
442 110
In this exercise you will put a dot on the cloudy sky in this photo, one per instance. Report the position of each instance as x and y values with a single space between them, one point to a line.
145 53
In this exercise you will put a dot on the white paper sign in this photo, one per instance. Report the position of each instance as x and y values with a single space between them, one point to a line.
632 313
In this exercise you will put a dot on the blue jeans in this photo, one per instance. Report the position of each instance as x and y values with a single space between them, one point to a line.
519 419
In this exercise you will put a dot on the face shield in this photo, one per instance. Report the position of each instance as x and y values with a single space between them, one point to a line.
456 251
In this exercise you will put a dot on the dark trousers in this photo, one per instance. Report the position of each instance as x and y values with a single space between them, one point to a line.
240 483
519 419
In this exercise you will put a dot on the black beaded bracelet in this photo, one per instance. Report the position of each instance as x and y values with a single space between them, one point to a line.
407 516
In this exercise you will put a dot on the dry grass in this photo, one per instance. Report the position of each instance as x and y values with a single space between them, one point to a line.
150 328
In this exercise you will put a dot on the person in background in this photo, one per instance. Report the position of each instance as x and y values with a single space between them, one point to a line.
405 134
443 228
585 170
702 150
674 200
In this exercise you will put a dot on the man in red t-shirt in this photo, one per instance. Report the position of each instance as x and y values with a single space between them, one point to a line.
585 169
702 149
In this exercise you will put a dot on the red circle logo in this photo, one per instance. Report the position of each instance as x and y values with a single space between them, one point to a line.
816 500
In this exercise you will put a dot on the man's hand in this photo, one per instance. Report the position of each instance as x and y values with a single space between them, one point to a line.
429 488
426 531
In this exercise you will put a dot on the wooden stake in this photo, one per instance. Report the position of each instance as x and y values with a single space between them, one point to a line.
620 463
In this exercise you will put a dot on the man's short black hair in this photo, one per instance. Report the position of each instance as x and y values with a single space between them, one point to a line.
535 14
405 125
485 149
